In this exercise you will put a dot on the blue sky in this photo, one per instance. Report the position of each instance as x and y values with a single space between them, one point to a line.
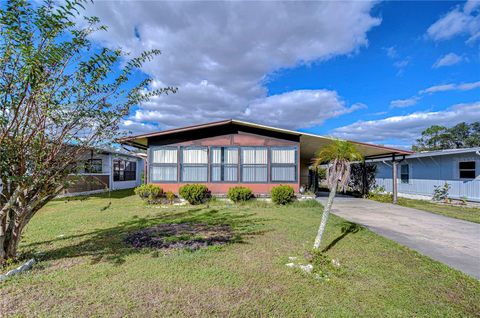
378 72
371 76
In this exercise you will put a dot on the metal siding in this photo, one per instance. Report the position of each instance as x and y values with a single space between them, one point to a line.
428 172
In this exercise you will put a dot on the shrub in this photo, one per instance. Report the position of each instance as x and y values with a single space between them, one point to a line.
239 194
170 196
282 194
149 192
440 193
195 193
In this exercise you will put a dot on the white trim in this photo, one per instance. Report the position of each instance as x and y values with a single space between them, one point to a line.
456 168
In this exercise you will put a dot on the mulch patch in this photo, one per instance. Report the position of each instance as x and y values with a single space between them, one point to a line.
180 235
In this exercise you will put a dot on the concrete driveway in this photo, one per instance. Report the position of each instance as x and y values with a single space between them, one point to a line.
450 241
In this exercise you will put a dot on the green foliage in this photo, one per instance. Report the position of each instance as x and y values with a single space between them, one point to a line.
362 177
149 192
195 193
239 194
378 194
437 137
322 264
338 155
321 173
60 96
170 197
440 193
282 194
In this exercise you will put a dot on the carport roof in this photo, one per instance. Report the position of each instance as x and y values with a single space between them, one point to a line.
309 143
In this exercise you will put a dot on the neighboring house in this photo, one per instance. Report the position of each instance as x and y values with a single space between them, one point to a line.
102 170
419 173
232 152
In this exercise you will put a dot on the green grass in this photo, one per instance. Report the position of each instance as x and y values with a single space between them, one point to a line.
453 211
87 270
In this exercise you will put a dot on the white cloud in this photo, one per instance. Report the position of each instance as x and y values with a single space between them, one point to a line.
407 128
303 108
459 21
130 125
220 53
447 60
400 103
450 87
391 52
399 63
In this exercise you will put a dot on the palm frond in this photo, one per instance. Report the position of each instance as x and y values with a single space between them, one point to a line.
338 155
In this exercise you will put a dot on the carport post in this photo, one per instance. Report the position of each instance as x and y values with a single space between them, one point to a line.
394 179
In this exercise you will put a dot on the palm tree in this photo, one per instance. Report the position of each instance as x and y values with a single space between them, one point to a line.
338 156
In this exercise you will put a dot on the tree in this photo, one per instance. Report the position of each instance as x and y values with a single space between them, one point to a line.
433 138
362 177
436 137
59 96
338 156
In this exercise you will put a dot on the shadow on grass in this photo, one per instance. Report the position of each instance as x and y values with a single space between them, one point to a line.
346 228
117 194
108 244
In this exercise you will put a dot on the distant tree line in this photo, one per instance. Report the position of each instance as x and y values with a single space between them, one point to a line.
437 137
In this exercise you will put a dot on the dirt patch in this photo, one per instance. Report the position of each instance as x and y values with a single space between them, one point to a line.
184 235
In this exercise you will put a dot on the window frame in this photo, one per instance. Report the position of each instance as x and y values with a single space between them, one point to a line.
408 173
181 164
273 165
88 163
460 170
223 165
266 165
124 161
152 164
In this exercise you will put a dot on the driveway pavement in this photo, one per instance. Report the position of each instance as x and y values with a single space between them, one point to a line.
450 241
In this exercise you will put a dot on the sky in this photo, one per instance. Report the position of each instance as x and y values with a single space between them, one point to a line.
378 72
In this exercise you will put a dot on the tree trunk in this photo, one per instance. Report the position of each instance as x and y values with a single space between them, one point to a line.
12 226
325 215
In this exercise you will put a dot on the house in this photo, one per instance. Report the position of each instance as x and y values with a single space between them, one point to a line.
101 170
419 173
231 152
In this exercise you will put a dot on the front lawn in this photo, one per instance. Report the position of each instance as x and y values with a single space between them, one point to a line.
87 268
453 211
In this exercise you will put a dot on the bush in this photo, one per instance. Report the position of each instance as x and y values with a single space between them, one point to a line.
239 194
440 193
149 192
282 194
170 196
195 193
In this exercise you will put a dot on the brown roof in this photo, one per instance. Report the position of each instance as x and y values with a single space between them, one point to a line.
309 142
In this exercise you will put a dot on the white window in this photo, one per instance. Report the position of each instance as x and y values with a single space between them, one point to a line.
164 164
466 170
283 165
194 166
224 164
254 164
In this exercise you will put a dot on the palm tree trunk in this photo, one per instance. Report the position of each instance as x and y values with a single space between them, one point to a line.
325 215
